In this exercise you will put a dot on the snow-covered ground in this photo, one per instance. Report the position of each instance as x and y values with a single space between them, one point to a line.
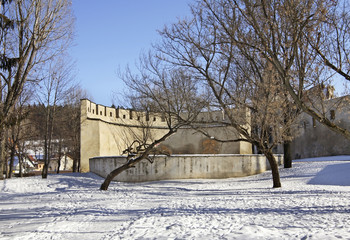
313 203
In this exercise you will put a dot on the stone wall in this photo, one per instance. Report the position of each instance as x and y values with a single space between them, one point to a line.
107 131
184 167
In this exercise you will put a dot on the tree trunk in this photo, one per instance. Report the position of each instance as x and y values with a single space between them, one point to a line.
274 168
287 154
59 156
131 163
20 162
45 171
46 165
3 162
75 165
12 157
65 162
76 161
78 168
113 174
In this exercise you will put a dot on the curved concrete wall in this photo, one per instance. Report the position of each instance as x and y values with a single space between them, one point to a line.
184 167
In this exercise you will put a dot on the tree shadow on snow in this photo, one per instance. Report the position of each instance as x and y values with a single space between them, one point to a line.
337 174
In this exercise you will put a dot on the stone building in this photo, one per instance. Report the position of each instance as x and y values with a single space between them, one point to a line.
315 140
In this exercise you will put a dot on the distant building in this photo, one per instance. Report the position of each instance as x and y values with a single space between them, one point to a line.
316 140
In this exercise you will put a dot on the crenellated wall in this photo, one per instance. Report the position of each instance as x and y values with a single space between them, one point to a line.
107 131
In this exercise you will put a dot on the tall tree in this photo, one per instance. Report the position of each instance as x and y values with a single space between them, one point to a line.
52 91
31 33
237 77
71 123
18 131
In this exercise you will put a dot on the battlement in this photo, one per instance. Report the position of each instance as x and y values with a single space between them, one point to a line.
135 118
121 116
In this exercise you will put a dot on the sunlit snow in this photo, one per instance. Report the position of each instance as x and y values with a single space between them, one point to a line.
313 203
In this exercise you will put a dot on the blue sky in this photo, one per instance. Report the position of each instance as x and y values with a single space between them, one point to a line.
111 34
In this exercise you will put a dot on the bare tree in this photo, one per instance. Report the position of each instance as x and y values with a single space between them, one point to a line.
52 91
305 41
331 39
238 78
31 33
158 91
71 123
18 130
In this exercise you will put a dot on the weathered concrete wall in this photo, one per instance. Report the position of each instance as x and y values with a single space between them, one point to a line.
184 167
316 140
108 131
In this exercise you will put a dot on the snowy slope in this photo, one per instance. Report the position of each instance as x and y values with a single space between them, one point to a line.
313 203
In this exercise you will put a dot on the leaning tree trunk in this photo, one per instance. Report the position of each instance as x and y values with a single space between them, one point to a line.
274 168
131 162
114 173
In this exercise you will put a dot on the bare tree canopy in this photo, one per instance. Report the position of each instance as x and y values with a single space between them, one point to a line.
169 93
32 32
307 43
56 84
235 75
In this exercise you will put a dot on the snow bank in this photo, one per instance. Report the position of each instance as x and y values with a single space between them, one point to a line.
327 158
312 204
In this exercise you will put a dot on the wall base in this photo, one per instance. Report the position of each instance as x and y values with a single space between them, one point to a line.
184 166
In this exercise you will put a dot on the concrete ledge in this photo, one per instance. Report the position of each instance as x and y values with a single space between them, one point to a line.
184 166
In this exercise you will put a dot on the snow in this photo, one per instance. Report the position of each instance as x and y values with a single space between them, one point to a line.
313 203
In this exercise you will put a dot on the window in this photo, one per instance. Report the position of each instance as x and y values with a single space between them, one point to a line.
110 114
